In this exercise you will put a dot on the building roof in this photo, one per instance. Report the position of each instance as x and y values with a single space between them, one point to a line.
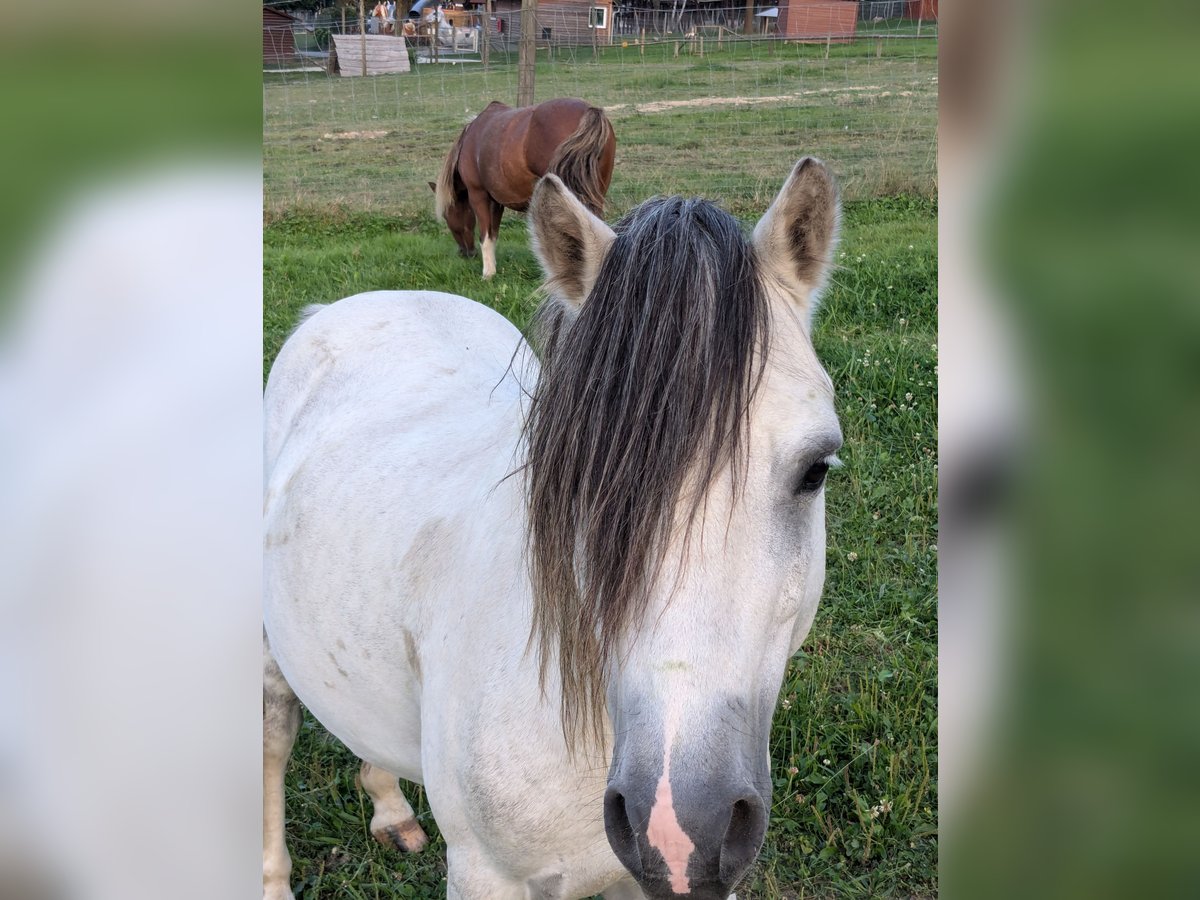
278 13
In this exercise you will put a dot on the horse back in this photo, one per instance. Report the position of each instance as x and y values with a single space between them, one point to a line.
354 358
416 396
505 151
550 124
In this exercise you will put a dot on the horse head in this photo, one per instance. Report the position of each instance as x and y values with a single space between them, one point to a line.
460 218
678 441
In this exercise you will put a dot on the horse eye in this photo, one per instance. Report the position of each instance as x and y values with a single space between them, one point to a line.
813 478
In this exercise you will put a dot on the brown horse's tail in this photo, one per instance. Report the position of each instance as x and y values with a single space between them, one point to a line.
443 191
578 160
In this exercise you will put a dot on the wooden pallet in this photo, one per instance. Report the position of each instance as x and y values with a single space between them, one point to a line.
386 54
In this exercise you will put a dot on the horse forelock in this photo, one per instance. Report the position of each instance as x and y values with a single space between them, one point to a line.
643 400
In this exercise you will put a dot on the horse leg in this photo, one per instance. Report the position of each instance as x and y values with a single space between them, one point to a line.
393 823
281 722
495 211
470 875
481 205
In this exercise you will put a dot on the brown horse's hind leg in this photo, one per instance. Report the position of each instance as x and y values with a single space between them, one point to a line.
393 823
281 722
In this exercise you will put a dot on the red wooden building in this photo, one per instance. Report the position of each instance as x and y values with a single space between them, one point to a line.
279 44
923 9
818 20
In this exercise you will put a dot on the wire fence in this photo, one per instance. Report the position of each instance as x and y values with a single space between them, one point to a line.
698 106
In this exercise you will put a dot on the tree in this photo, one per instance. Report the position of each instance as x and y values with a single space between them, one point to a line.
306 5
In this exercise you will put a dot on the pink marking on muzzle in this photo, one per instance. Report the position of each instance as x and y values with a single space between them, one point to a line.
664 833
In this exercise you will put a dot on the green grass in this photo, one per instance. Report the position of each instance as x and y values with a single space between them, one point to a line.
856 729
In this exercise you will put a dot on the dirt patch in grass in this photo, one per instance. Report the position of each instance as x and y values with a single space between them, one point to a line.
353 135
664 105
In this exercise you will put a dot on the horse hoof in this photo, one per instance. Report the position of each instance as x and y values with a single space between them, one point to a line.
467 254
407 837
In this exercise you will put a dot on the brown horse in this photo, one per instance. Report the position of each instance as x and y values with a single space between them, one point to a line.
502 153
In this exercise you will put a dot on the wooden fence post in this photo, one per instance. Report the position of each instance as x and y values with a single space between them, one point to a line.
527 58
487 39
362 32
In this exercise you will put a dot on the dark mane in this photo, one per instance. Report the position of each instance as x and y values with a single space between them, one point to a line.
643 395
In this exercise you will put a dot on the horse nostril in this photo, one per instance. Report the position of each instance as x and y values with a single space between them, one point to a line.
620 832
747 827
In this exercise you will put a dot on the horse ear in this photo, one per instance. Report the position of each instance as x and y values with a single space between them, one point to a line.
568 240
432 186
795 238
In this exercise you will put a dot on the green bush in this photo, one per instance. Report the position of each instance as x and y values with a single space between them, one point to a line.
330 18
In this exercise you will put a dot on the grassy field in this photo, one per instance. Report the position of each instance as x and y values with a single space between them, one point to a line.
855 736
723 124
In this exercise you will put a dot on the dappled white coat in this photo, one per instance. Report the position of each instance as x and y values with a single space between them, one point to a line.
421 438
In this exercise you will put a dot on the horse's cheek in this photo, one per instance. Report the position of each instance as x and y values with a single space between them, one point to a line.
802 595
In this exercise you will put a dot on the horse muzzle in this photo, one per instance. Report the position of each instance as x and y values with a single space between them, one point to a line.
686 836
